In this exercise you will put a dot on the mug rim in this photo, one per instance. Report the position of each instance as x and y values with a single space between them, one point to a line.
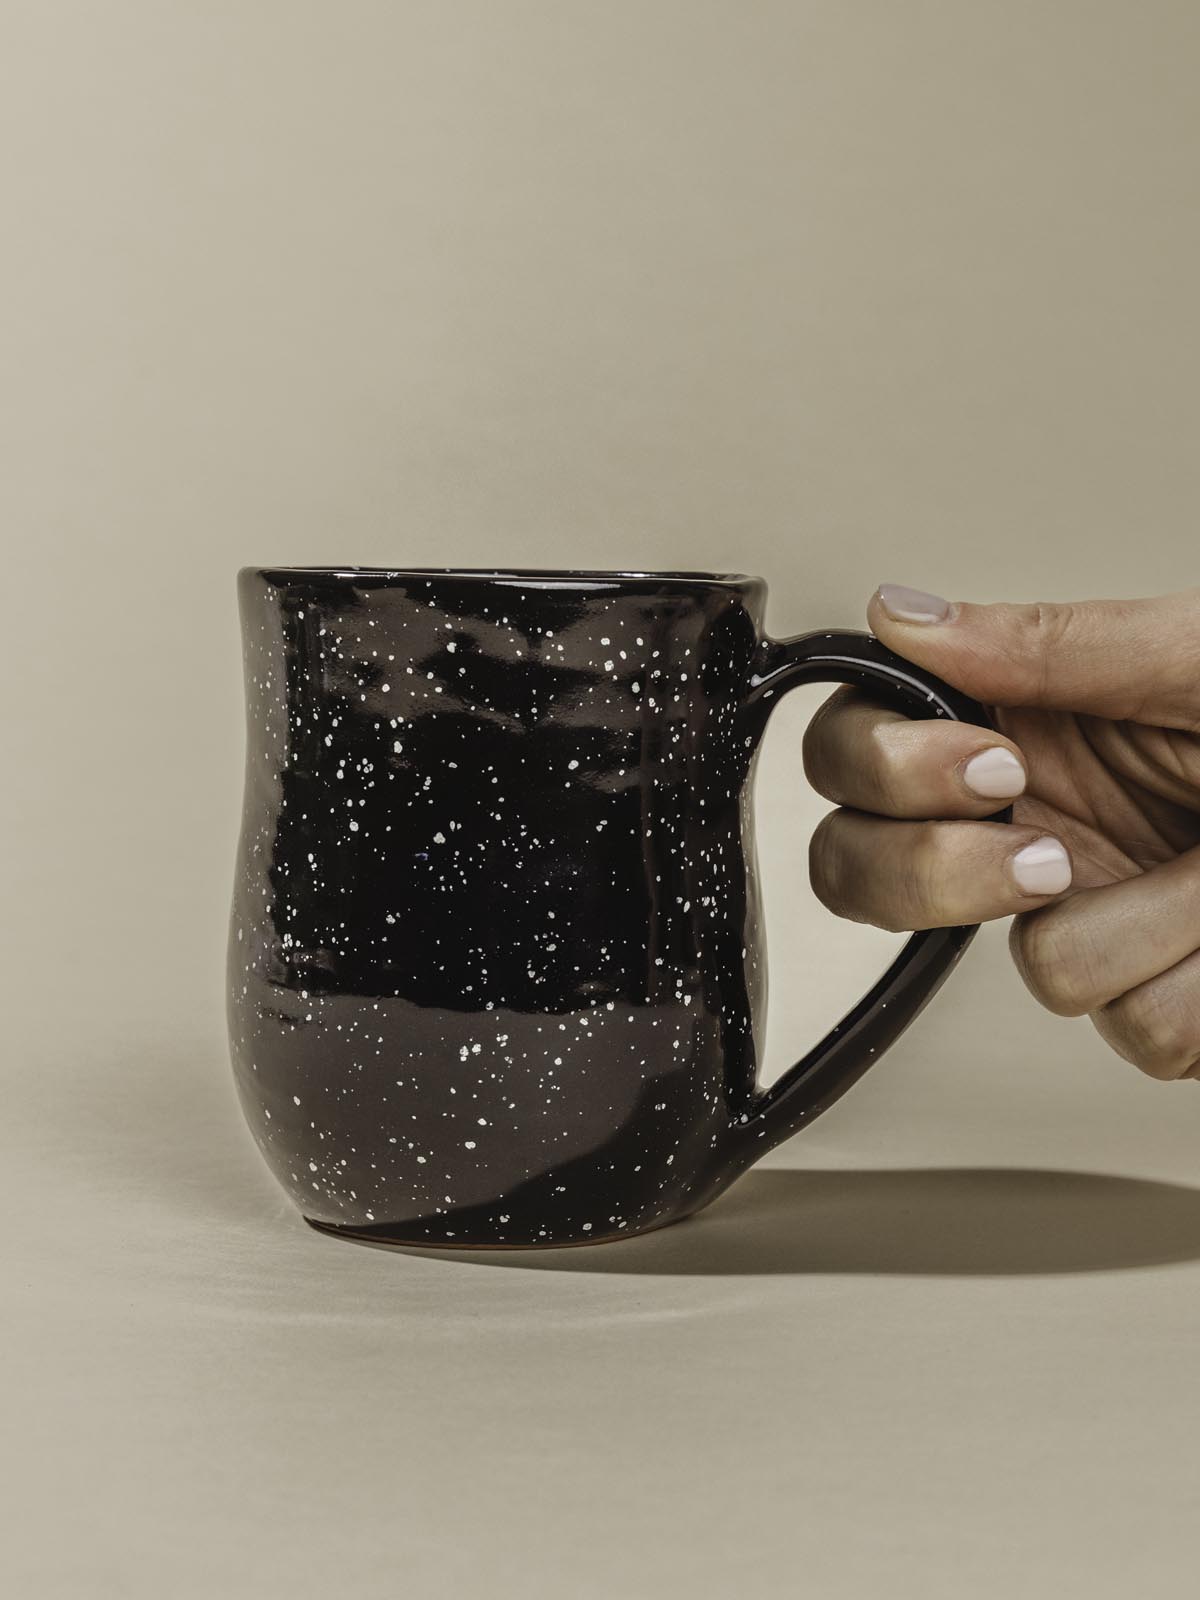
548 577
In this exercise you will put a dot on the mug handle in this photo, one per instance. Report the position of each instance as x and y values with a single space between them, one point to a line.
927 959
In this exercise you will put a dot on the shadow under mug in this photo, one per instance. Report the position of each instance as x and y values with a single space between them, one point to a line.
496 970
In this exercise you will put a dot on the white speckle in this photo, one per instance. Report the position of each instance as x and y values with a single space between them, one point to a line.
312 1166
468 1144
608 666
451 646
587 1227
421 1160
606 641
296 1099
353 825
571 765
483 1122
439 838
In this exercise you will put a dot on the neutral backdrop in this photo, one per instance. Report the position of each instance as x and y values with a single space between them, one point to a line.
836 291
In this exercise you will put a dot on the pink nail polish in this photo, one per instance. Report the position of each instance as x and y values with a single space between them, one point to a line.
1043 867
995 774
912 605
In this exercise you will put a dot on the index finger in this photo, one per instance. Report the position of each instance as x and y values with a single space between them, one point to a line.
861 753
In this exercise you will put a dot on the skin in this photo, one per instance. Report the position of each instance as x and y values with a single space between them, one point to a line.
1100 701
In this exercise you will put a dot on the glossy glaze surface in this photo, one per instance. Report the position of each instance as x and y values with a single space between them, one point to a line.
495 967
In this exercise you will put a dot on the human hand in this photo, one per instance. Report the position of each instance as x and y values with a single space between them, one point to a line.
1098 710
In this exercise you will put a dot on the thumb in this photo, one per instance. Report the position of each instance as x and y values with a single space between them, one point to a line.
1131 660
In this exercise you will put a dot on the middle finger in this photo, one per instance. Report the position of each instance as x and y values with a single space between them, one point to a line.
905 875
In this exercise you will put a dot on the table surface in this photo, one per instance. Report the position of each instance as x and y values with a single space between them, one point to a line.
944 1343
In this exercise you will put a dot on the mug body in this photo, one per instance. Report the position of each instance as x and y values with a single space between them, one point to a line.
494 964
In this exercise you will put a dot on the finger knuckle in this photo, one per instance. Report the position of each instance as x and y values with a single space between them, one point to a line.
925 852
1049 634
814 753
884 767
822 744
927 869
825 865
1161 1031
1052 962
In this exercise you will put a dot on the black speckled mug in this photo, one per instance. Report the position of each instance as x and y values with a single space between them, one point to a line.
496 974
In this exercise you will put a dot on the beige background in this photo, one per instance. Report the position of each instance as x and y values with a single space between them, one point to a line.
836 292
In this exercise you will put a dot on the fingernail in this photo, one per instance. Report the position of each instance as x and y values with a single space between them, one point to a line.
994 774
912 605
1043 867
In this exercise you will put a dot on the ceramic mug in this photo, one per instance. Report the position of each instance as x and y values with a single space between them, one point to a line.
496 967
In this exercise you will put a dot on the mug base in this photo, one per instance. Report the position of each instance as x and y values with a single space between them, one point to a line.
387 1239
